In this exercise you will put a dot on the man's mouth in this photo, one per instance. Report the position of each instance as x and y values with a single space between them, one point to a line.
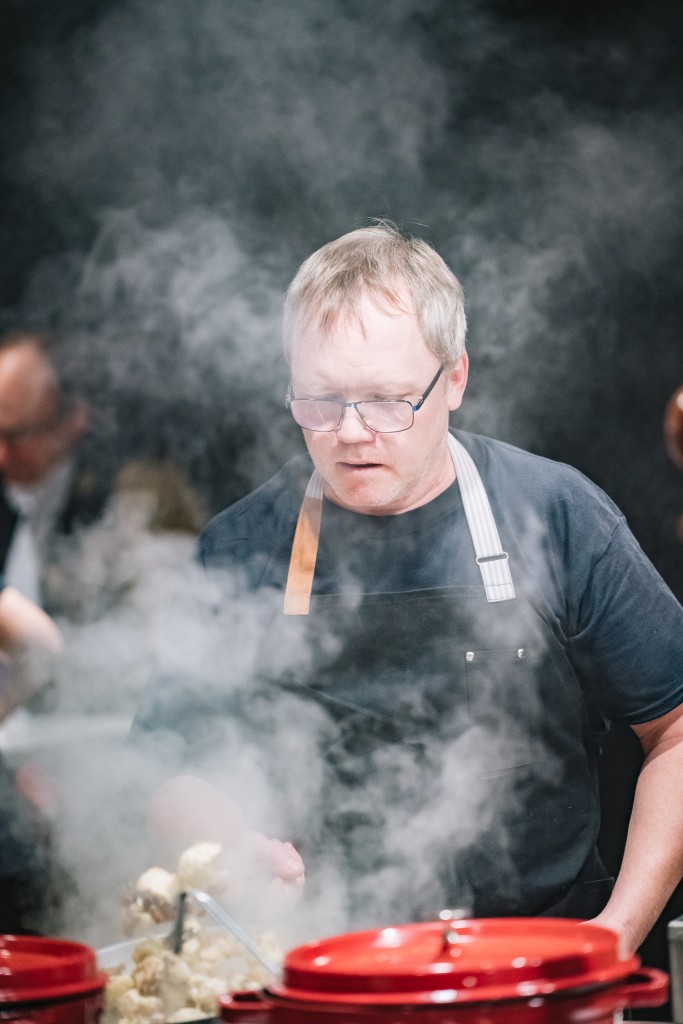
360 465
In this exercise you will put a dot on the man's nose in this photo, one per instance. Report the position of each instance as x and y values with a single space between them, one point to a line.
353 427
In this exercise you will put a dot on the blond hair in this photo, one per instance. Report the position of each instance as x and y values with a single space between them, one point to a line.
382 261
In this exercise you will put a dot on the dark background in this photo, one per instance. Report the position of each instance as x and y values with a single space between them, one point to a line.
166 167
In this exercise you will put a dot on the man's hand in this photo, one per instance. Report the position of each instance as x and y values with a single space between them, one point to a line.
282 869
265 876
626 943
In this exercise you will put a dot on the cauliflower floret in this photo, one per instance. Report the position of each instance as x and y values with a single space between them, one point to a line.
116 986
206 991
243 982
219 947
175 983
148 947
159 884
198 867
153 899
148 974
176 971
141 1009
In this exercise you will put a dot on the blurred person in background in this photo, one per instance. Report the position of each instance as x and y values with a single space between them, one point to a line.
90 537
75 517
460 621
29 644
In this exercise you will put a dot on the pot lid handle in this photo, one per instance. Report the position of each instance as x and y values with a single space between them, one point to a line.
451 936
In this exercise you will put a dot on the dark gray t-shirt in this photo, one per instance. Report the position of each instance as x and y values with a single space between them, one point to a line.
570 549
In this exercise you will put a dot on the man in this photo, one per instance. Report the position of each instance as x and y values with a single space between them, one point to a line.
458 619
41 427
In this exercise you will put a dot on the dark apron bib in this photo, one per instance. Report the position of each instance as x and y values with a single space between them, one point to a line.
457 761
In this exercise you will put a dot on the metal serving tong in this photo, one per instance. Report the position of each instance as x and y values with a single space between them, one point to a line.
174 940
222 918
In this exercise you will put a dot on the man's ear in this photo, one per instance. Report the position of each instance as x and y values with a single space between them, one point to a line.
456 382
79 420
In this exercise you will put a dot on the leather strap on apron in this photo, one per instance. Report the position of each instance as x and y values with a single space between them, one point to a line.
305 549
491 559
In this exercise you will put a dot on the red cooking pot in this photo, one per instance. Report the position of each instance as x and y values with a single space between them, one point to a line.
49 981
485 971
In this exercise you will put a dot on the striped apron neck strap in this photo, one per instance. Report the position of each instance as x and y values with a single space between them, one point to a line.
491 559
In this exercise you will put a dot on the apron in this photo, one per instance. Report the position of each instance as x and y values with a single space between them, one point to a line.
454 744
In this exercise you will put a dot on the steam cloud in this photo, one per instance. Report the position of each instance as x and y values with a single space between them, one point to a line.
186 157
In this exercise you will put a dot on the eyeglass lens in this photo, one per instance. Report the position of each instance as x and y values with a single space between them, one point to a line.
384 417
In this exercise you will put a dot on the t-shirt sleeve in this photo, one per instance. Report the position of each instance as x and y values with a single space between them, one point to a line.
629 637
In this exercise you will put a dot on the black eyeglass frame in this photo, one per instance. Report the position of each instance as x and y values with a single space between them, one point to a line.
355 405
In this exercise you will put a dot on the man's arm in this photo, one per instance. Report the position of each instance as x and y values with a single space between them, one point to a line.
652 865
29 644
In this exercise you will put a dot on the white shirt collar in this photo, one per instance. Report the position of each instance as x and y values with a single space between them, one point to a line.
42 502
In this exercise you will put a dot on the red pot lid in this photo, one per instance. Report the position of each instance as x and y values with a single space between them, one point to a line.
34 969
441 962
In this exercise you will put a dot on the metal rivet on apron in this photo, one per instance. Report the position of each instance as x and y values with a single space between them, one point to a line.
521 653
469 656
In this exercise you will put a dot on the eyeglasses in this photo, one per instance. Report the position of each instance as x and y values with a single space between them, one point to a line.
383 415
27 434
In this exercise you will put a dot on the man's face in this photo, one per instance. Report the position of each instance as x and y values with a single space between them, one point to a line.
34 434
380 353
